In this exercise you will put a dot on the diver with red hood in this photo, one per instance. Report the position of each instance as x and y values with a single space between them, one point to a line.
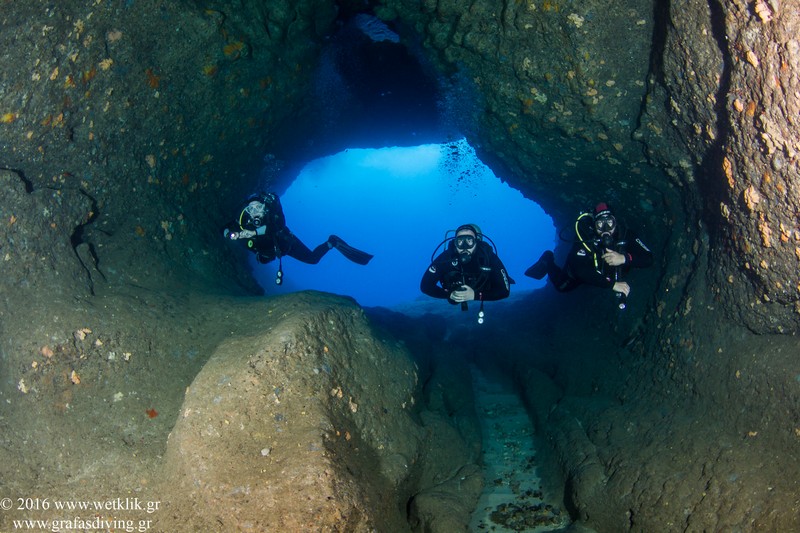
603 252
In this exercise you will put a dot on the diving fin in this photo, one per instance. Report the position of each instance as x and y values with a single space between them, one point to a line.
353 254
540 268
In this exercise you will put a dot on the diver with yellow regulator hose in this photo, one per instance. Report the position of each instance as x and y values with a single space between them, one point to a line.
602 253
261 226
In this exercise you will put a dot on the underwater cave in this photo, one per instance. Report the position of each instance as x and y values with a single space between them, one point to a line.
152 377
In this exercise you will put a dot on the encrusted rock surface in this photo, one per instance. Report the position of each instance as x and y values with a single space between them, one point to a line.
154 110
307 424
291 413
758 208
561 86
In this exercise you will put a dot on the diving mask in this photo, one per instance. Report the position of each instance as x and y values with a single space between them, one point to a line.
256 210
605 224
465 242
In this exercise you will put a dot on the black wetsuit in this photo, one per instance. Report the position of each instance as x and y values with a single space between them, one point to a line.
485 273
585 263
273 238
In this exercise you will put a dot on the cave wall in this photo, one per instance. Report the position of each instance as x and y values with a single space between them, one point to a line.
159 112
732 115
758 241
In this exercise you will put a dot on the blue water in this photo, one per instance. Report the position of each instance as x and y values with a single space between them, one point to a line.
397 204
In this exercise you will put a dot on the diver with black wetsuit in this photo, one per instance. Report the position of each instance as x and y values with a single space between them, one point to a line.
468 269
603 252
262 227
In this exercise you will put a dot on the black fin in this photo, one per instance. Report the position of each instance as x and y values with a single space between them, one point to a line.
353 254
539 269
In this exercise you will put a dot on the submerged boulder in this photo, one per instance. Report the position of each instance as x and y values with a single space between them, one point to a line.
310 423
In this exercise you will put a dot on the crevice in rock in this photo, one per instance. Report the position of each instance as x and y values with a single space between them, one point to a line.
712 160
84 250
656 70
21 175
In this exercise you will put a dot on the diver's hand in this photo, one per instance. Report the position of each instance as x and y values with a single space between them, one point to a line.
244 234
464 294
613 258
622 287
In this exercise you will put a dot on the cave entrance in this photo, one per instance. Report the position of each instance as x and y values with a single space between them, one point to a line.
392 186
397 203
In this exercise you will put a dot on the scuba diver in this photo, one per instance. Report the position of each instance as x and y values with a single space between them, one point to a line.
468 269
603 252
262 226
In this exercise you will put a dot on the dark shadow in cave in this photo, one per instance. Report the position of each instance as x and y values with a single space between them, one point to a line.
370 91
712 161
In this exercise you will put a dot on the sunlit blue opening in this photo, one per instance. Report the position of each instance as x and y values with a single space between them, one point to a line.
397 204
